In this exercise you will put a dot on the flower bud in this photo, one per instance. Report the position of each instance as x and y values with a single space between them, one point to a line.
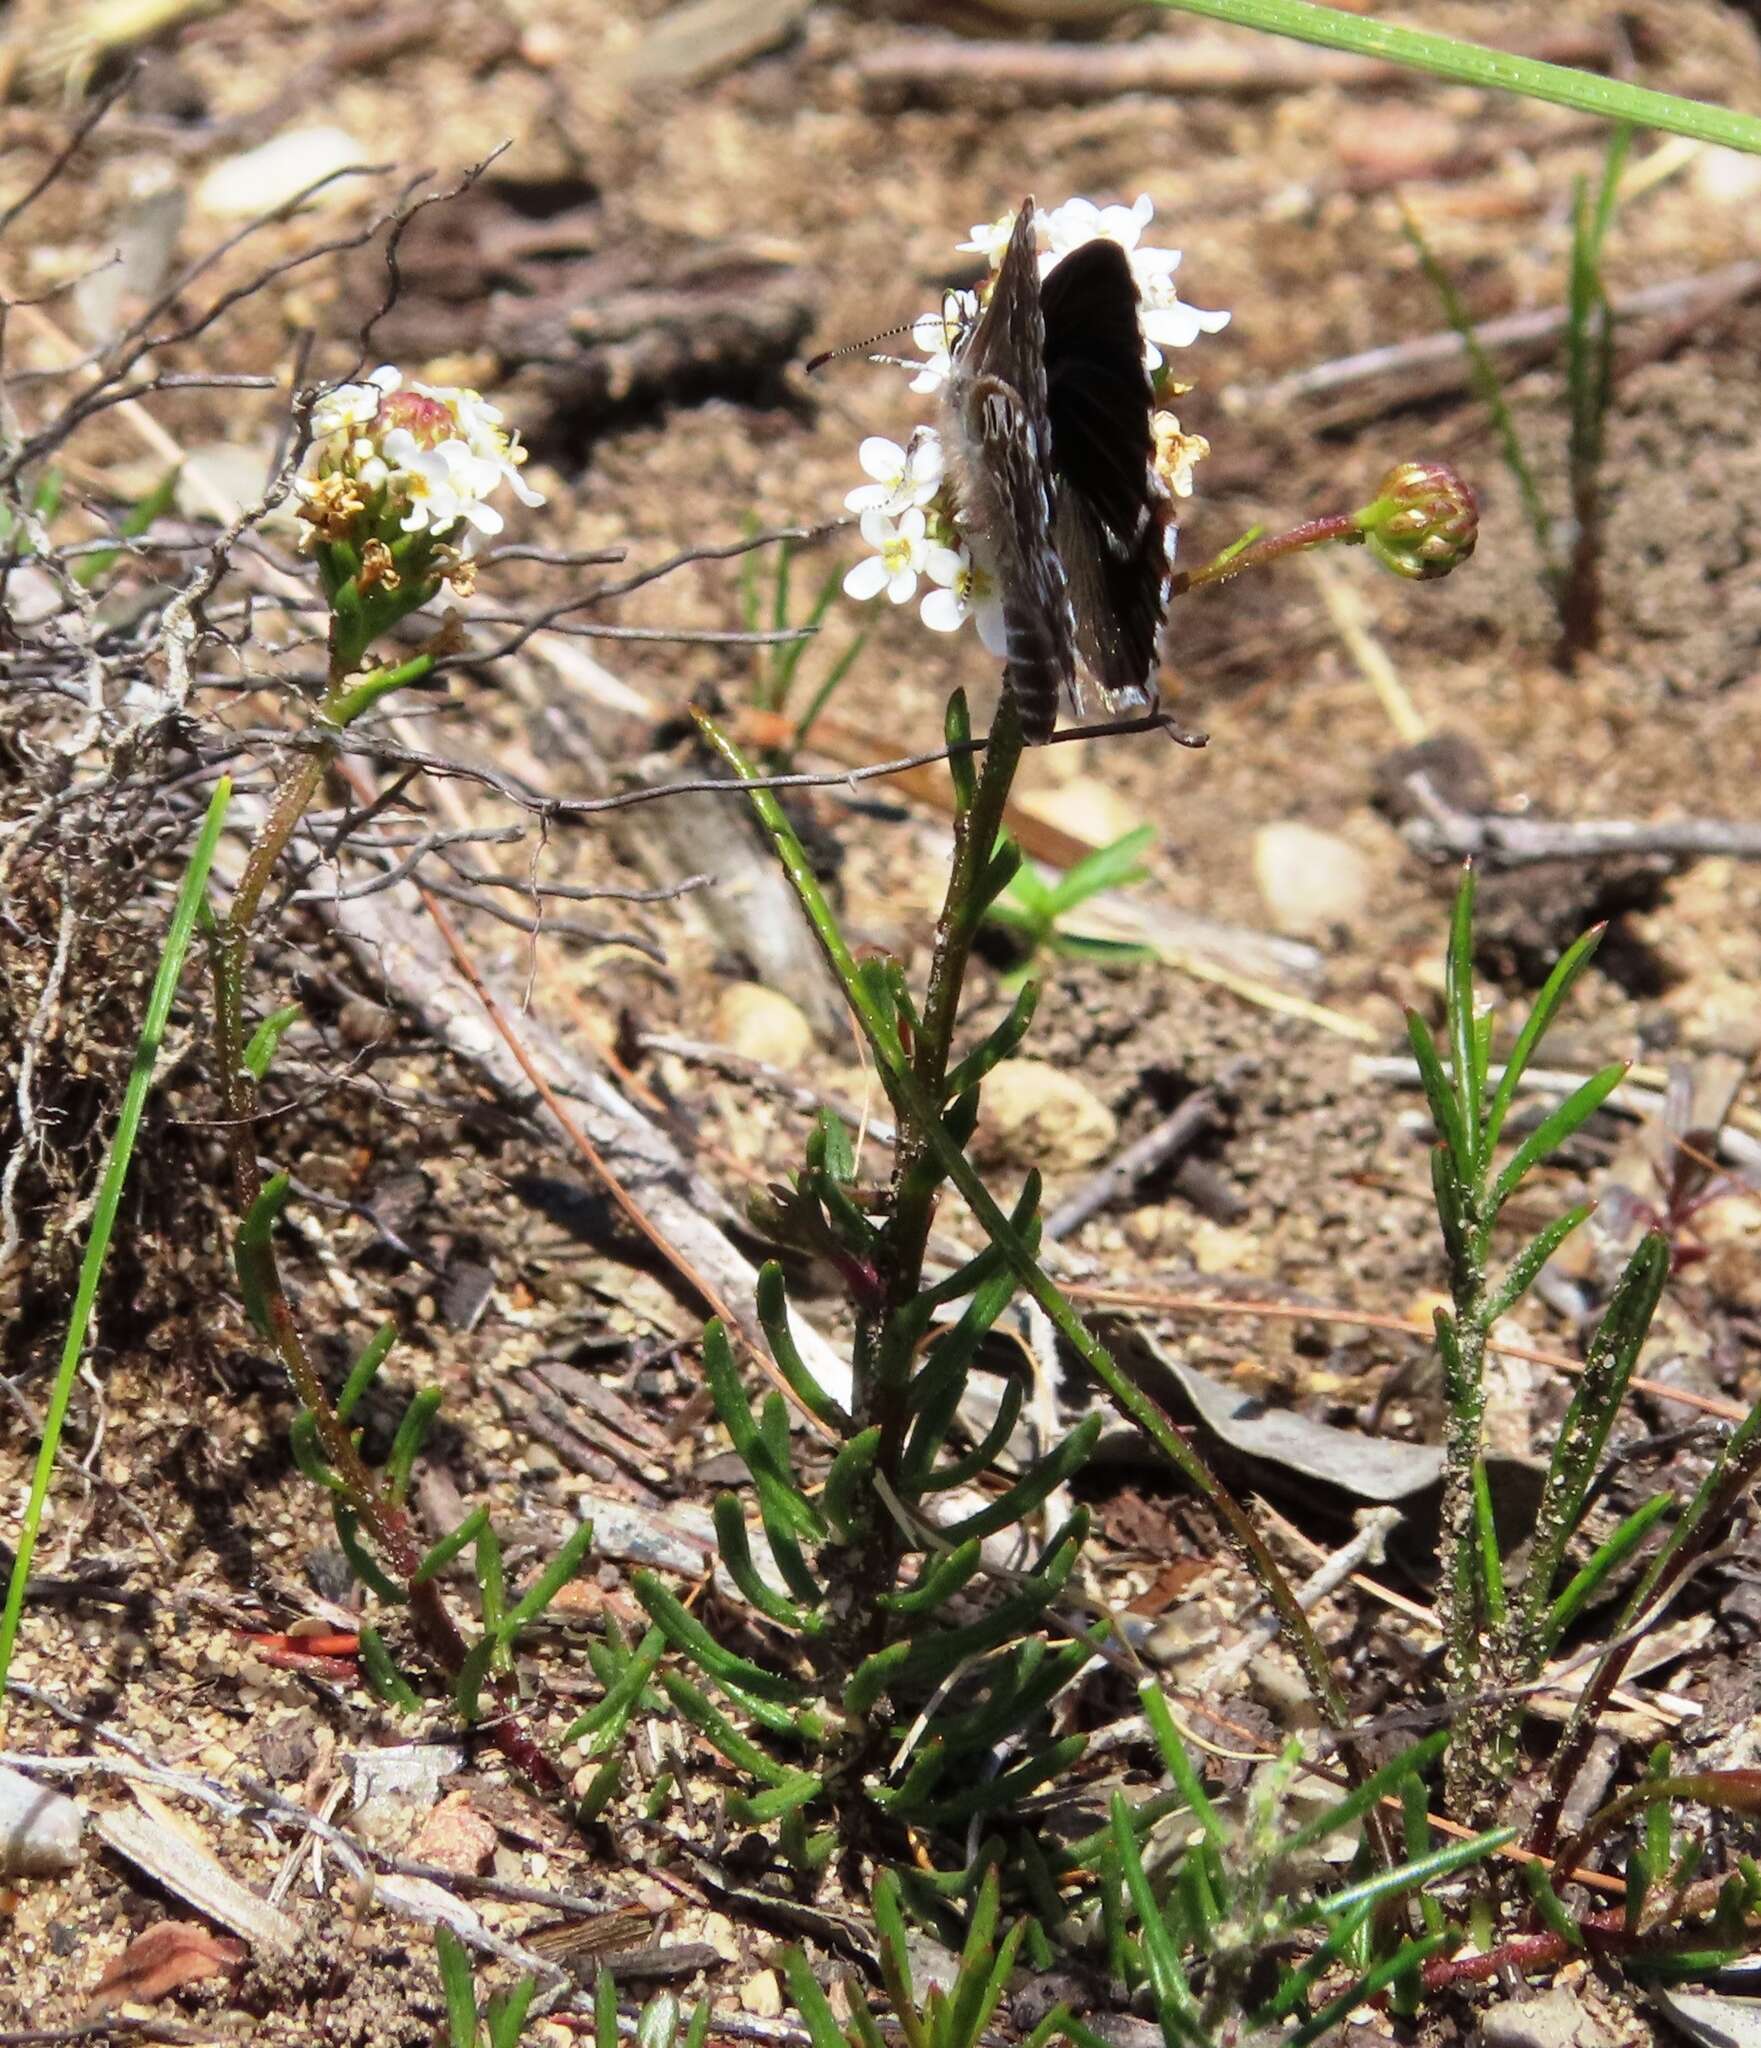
1423 521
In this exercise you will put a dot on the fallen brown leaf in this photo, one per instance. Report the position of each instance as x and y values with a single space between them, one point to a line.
157 1962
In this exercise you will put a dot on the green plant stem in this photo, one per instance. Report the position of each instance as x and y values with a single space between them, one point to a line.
885 1348
921 1113
1473 64
389 1526
116 1165
1312 533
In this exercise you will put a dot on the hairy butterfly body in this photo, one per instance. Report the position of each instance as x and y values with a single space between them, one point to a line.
1049 422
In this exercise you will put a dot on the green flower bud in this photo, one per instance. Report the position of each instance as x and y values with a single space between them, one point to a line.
1423 521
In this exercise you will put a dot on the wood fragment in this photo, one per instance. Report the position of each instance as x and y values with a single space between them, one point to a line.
171 1859
939 70
1437 363
1502 841
704 39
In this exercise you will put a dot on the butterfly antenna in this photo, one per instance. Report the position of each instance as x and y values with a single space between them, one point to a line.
857 348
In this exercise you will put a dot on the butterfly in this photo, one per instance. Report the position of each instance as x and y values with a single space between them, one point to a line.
1048 422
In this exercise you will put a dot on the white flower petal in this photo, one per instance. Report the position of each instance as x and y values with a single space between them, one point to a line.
881 459
943 612
867 498
945 566
876 528
903 586
868 579
992 631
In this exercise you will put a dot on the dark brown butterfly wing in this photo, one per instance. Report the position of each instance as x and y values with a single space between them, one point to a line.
1112 510
1003 438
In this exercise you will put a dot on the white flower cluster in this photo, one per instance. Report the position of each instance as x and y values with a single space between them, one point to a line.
908 516
399 456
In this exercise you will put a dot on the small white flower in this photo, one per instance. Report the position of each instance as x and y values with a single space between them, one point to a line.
899 552
990 239
903 477
1167 323
966 591
1077 221
353 405
936 334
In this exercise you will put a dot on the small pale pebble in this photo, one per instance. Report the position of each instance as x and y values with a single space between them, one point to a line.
1087 808
761 1023
762 1996
39 1828
1035 1114
455 1838
1726 177
240 187
1309 880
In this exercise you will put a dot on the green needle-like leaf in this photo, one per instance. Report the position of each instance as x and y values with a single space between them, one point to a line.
1547 1136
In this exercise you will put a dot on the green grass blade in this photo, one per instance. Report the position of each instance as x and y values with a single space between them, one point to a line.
1445 1112
1581 1589
134 523
455 1979
1554 991
1548 1135
116 1165
826 692
1489 389
1109 867
1459 1009
1176 2008
1526 1266
788 655
1589 1418
1473 64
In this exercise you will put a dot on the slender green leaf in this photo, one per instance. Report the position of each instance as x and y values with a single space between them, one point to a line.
962 1471
1459 1014
849 1479
450 1547
1034 1486
1548 1135
383 1677
736 1554
827 690
456 1982
252 1256
1349 1808
507 2012
362 1563
687 1633
621 1696
412 1433
1472 64
1179 1765
267 1038
942 1576
1445 1112
1176 2008
1525 1268
1554 990
773 1315
810 2001
136 521
1604 1560
1115 866
565 1566
365 1370
1489 389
